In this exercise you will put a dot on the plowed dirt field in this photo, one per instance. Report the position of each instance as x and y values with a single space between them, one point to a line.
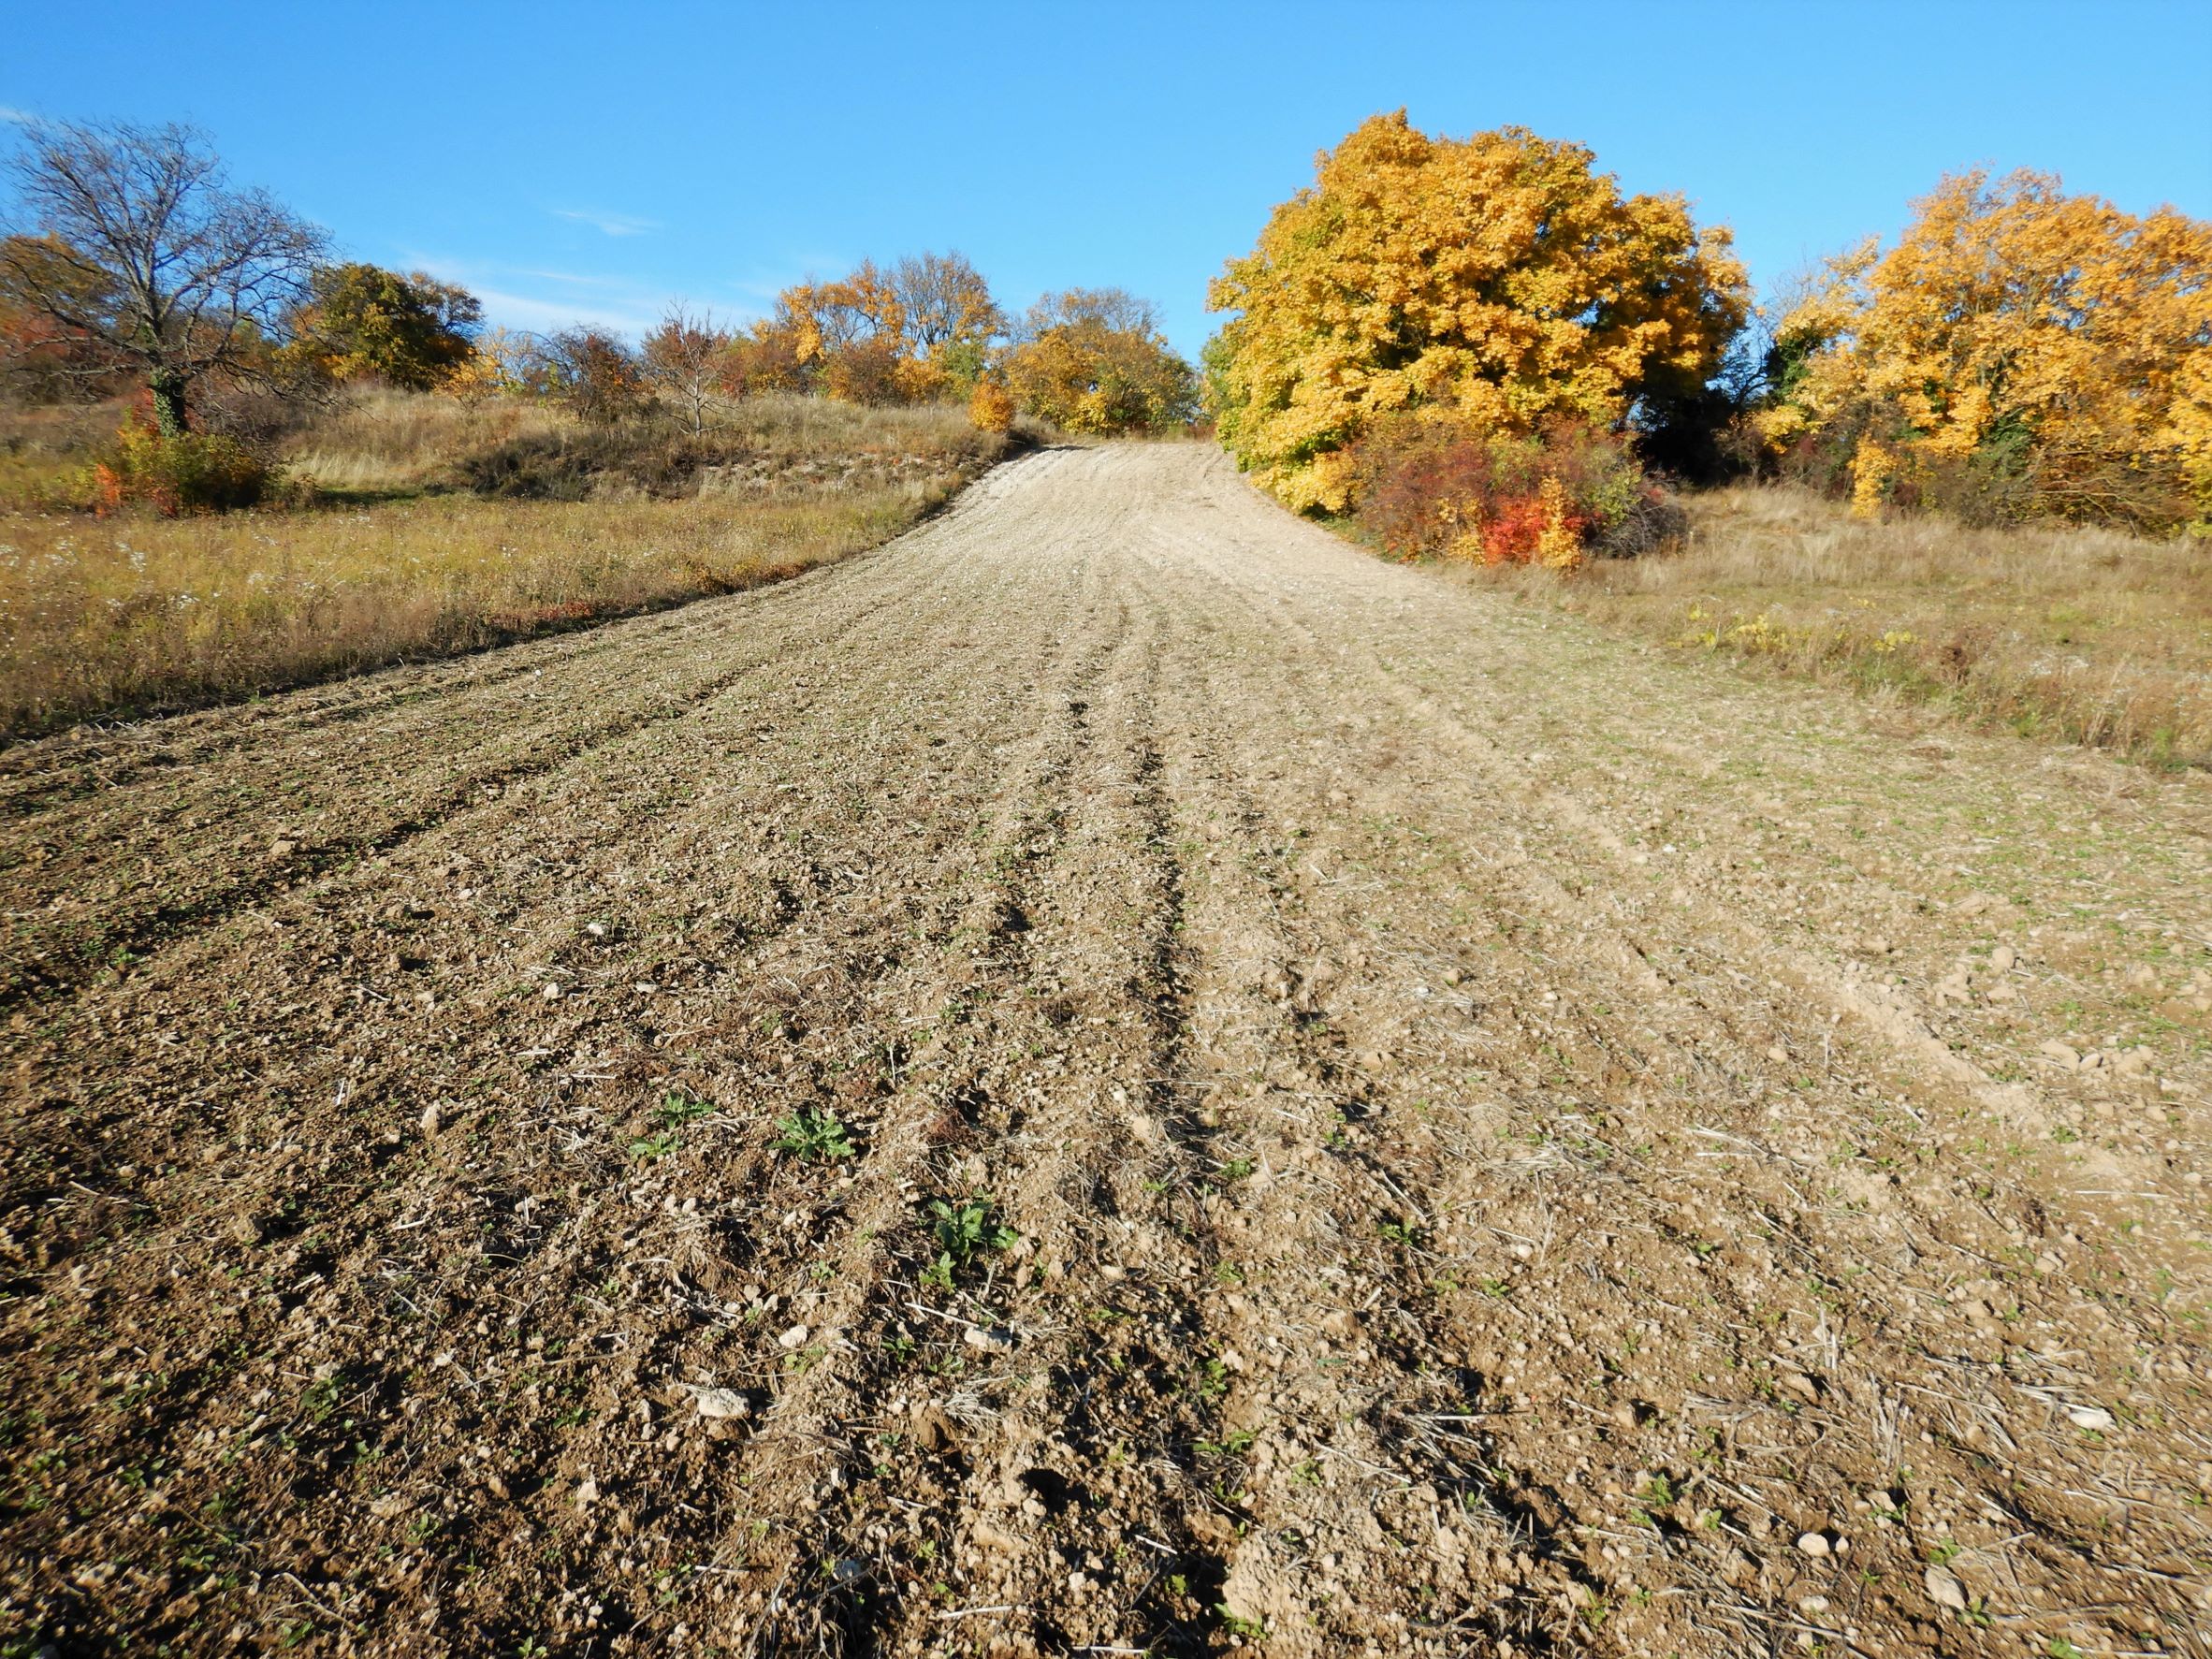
1113 1076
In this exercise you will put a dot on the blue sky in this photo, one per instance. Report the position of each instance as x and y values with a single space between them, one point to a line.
573 161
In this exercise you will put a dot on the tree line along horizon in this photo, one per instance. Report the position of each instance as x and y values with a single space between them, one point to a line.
1474 347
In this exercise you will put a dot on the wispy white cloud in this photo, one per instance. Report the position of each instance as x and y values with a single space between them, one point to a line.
609 223
530 312
540 298
15 117
513 299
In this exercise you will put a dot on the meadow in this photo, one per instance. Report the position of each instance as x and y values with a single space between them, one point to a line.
2083 634
418 526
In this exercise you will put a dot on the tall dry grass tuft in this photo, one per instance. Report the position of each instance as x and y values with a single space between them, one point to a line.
2093 636
45 452
376 442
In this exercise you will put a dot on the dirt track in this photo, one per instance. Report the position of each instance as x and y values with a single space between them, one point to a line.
1517 1144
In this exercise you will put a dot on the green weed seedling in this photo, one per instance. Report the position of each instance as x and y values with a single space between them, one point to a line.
677 1109
1252 1630
963 1229
815 1135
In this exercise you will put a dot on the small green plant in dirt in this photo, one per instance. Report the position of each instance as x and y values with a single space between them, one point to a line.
677 1109
1655 1494
816 1135
1252 1630
652 1146
964 1229
321 1398
1230 1445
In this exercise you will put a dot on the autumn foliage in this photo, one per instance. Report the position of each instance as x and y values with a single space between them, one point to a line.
2019 351
595 373
361 322
175 473
1490 285
991 406
1428 488
1094 360
906 334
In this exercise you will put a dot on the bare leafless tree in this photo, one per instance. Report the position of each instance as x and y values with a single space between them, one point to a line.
132 238
685 358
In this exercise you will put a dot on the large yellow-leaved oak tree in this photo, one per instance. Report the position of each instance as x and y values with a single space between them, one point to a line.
1496 282
2021 334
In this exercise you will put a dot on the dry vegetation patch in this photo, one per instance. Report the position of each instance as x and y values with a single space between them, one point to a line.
2089 635
391 561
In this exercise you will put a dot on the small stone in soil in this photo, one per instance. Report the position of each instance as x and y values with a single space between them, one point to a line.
1945 1589
721 1403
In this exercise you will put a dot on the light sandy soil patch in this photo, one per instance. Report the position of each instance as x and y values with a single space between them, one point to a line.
1374 1120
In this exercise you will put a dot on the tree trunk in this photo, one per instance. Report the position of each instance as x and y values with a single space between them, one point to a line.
167 387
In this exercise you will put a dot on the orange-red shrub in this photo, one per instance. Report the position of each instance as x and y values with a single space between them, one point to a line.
1425 488
177 471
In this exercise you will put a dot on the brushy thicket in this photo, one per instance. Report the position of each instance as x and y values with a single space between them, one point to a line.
1427 488
1994 483
1450 342
176 473
1497 284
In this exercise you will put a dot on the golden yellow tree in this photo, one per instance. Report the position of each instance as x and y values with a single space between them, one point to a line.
991 406
907 334
1496 282
2019 331
1094 360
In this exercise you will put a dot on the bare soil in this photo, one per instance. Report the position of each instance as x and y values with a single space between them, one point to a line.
1509 1142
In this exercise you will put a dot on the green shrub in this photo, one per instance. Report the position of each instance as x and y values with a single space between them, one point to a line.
179 473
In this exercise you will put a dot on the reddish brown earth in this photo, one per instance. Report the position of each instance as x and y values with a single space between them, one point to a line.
1505 1143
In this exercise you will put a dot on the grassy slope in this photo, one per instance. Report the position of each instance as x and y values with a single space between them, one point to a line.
393 562
2086 636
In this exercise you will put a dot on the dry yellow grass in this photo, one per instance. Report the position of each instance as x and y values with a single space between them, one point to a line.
381 442
123 615
2091 636
136 613
45 452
